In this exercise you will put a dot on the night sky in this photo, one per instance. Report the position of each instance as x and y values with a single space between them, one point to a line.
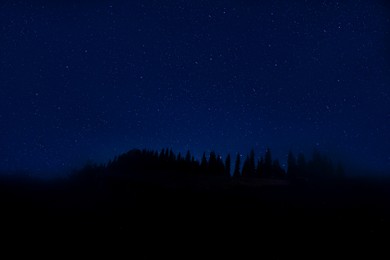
88 81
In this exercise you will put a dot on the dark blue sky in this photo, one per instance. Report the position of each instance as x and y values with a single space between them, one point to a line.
87 81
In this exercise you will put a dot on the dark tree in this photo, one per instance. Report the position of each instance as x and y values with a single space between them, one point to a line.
172 157
245 168
204 164
236 172
188 157
162 156
213 164
277 170
249 168
320 166
220 168
227 165
260 168
301 166
251 164
268 163
291 166
155 156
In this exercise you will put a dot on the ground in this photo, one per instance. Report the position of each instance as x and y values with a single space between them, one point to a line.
160 216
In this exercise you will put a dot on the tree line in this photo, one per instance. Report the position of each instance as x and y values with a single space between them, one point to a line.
166 161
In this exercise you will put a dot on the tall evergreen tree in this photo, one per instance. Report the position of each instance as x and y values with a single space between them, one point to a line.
188 157
213 165
320 165
291 165
220 170
301 166
236 172
162 154
277 170
251 165
249 168
194 165
227 165
245 168
268 163
203 164
260 168
172 157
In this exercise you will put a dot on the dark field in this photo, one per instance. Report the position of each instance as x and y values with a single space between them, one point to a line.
156 216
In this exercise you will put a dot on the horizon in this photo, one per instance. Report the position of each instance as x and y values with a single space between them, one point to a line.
350 171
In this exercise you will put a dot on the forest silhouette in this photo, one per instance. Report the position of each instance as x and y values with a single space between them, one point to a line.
166 161
151 204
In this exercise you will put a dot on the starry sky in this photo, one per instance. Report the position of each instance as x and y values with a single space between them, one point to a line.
87 81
